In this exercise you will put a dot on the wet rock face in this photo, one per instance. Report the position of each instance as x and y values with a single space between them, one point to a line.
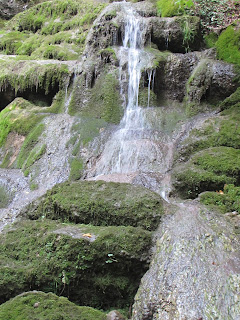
169 33
211 81
171 78
11 8
194 269
196 76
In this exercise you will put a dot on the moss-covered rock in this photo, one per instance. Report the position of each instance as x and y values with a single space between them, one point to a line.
94 266
4 197
22 75
100 203
46 306
102 94
208 170
232 101
220 130
228 47
225 200
19 117
211 81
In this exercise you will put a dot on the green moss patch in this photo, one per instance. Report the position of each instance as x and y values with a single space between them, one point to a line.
104 100
100 203
18 117
10 42
208 170
22 75
228 45
226 201
233 101
46 306
170 8
223 130
4 197
76 171
51 29
95 266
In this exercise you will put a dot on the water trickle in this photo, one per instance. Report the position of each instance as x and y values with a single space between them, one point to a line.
151 77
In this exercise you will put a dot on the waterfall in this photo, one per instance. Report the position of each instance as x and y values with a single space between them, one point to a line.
130 148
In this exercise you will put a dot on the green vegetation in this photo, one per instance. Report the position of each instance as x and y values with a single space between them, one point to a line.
51 29
218 131
226 201
48 306
189 33
34 155
208 170
100 203
228 45
18 117
4 197
143 98
210 39
22 75
12 41
76 169
170 8
28 155
95 266
104 99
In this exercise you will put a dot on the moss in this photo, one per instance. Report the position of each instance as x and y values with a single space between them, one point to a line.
232 101
198 82
100 203
45 23
226 201
27 153
22 75
87 129
76 169
143 98
219 131
49 307
34 186
95 266
208 170
34 155
170 8
4 197
104 102
210 39
12 41
228 45
18 117
189 33
159 56
108 53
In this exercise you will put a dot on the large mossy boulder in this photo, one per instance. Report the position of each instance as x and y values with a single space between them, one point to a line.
94 266
46 306
100 203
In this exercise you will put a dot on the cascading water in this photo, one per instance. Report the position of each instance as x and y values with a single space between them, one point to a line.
135 146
